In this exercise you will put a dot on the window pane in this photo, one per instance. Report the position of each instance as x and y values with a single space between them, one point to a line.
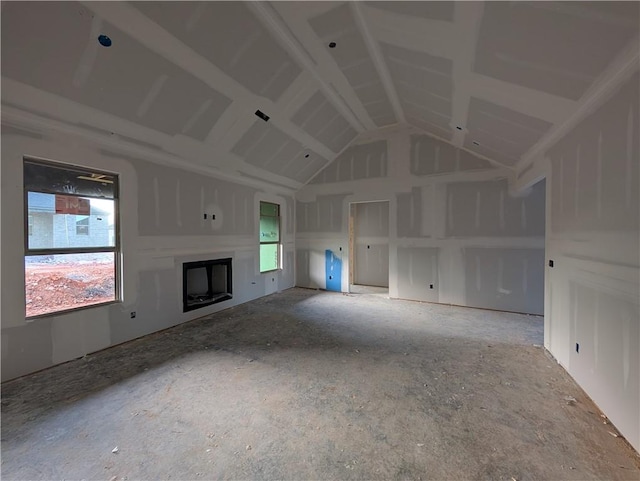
267 208
65 281
269 229
68 180
59 221
268 257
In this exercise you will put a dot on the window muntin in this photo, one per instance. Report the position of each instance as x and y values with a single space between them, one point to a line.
72 243
269 237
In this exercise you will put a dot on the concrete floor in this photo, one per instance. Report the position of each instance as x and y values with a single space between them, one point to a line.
315 385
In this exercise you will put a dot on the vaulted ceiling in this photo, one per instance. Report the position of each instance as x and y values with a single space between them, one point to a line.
183 80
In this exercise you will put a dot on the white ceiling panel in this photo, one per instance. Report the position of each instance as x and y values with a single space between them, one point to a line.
503 132
160 95
424 85
229 35
352 57
554 47
510 75
321 120
268 148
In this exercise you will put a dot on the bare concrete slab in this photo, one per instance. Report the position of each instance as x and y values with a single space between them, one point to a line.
315 385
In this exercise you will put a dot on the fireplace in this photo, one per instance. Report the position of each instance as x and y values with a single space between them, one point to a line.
205 283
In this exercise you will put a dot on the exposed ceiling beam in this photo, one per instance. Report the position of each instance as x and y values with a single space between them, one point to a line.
466 25
378 61
274 23
154 37
617 72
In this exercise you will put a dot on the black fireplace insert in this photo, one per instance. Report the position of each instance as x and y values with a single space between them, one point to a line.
205 283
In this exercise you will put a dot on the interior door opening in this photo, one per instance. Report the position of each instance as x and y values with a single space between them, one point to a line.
369 247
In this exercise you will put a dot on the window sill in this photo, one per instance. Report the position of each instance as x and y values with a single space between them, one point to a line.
73 309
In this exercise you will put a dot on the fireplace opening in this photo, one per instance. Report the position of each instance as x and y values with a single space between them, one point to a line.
205 283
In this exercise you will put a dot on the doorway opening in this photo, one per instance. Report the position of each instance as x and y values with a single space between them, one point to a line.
369 248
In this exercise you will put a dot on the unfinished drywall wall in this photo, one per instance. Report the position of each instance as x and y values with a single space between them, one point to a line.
162 226
592 318
456 235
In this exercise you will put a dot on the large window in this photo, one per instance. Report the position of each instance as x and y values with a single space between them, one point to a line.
269 237
71 246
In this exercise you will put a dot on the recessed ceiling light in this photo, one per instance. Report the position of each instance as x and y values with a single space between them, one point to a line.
332 45
475 142
104 41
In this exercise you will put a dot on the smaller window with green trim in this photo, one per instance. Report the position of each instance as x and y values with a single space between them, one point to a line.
269 237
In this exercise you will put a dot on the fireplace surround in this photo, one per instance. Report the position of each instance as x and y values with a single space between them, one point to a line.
205 283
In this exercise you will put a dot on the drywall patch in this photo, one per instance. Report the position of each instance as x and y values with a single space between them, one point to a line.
354 61
424 85
363 161
501 133
266 147
494 279
325 214
475 210
320 119
548 62
115 84
417 272
161 214
257 61
577 179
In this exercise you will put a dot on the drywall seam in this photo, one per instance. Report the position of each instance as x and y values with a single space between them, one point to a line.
618 71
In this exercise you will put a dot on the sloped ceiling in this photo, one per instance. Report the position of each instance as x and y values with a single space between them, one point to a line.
184 79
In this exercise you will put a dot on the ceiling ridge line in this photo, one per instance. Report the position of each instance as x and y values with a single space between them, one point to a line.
274 24
378 61
618 71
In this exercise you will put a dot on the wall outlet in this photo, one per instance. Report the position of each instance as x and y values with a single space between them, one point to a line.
133 314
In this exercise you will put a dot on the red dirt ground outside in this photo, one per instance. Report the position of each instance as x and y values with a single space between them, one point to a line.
58 287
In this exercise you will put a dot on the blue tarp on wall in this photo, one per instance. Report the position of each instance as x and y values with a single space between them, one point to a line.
333 273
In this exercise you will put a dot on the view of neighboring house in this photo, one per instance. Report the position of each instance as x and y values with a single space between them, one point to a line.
48 229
